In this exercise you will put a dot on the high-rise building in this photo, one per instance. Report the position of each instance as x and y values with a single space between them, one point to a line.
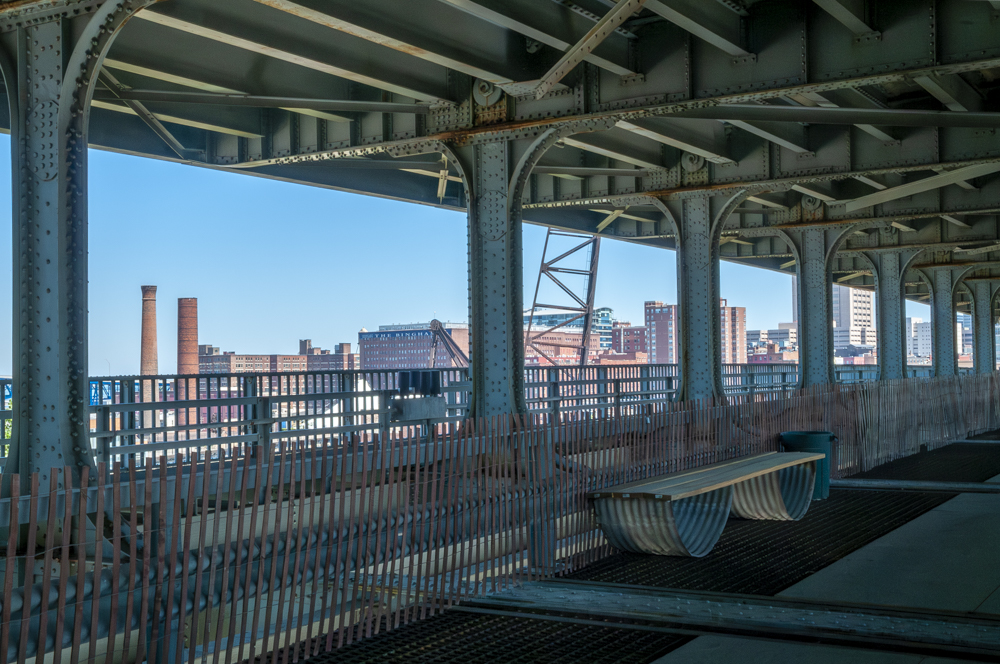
853 317
628 338
408 346
853 307
964 336
910 335
733 327
661 333
922 339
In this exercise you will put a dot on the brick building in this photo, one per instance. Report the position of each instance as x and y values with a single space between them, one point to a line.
213 361
661 333
628 338
662 345
733 327
407 346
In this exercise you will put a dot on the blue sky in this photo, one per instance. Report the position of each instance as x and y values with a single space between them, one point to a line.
272 262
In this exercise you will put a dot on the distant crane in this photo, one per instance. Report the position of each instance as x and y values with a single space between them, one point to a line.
457 358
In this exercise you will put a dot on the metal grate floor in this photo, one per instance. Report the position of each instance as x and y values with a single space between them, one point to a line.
467 638
765 557
960 462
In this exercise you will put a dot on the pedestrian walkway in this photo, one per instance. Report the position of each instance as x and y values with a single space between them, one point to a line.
948 559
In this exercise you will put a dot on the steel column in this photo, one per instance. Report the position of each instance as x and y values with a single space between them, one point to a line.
889 269
984 358
815 308
943 316
50 262
698 302
495 298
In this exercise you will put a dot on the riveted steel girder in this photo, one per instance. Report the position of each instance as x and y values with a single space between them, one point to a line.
495 291
889 269
49 133
984 357
942 282
815 246
698 293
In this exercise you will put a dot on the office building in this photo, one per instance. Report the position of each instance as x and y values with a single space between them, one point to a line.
601 325
408 346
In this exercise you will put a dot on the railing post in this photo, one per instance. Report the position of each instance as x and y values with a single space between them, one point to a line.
555 398
262 422
618 397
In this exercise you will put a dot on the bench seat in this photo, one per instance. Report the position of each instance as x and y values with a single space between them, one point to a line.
684 513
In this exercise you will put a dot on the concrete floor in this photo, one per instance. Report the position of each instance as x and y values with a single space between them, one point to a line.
947 559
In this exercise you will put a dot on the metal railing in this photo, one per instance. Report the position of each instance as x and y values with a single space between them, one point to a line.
174 415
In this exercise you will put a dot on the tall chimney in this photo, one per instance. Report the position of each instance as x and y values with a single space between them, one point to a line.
148 364
187 335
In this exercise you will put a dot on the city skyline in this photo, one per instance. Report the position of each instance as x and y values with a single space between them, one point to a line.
272 283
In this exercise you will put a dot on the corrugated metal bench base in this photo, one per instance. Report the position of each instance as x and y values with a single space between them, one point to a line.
683 514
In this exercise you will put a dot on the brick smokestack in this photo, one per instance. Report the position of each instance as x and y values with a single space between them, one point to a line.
148 364
187 335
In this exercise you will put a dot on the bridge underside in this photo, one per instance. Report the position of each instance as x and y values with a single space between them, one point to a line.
842 141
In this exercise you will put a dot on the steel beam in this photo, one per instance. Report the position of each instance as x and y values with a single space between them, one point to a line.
890 117
548 24
596 145
891 629
704 138
710 21
576 53
952 91
984 357
188 82
920 186
349 18
258 101
495 290
851 13
385 79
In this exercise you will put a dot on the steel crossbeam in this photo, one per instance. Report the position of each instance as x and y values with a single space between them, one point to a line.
862 626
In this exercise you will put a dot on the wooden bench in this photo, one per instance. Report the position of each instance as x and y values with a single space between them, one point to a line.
683 514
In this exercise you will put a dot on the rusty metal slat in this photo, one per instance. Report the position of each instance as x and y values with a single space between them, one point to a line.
186 557
67 528
235 613
147 544
50 533
134 534
9 564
